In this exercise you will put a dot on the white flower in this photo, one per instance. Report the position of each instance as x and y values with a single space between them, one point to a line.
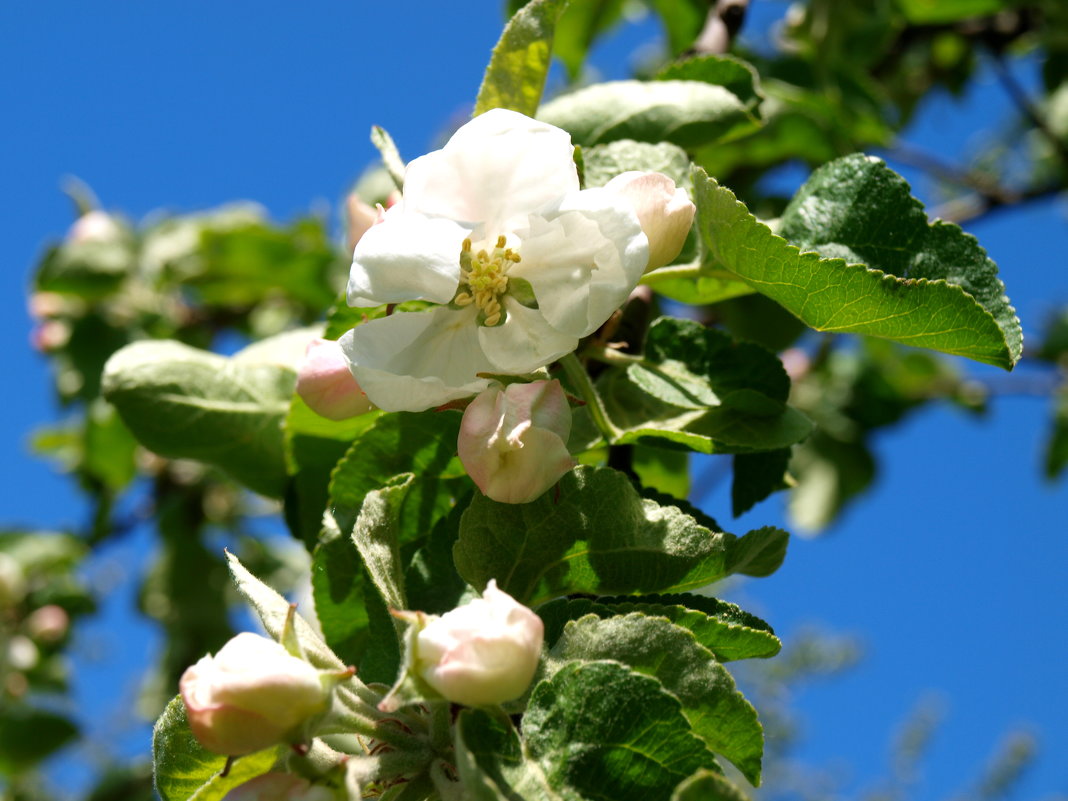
521 264
251 695
484 652
513 442
665 212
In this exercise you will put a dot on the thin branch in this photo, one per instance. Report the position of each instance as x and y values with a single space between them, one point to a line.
971 207
1026 107
982 184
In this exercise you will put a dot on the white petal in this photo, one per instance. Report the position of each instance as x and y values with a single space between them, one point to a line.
582 259
411 361
525 342
406 257
500 166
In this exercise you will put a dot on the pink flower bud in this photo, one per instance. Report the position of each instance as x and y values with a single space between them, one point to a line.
326 384
484 652
665 213
279 787
48 624
251 695
360 217
94 226
513 442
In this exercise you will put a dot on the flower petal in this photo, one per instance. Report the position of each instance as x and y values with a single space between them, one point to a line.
525 342
406 257
582 259
499 166
412 361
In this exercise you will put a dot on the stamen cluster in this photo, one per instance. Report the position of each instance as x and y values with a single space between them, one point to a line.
485 274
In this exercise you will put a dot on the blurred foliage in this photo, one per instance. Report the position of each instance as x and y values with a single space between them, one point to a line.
831 79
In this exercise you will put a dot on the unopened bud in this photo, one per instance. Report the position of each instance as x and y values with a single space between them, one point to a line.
326 384
482 653
360 217
12 581
252 694
664 211
279 787
22 654
513 442
48 624
94 226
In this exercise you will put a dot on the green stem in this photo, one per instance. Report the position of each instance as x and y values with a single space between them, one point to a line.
440 726
580 380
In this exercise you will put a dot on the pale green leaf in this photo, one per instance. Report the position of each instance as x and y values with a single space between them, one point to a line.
685 113
718 713
377 538
182 402
273 609
611 734
515 77
391 158
597 535
605 162
936 12
723 628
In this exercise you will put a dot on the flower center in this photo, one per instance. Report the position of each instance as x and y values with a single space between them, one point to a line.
484 278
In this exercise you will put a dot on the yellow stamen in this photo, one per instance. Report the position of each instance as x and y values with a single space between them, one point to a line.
484 278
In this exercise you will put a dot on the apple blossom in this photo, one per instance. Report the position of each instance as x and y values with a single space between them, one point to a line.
325 382
279 787
520 263
513 442
252 694
94 226
48 624
482 653
664 211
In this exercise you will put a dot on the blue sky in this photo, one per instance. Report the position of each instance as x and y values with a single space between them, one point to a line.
951 571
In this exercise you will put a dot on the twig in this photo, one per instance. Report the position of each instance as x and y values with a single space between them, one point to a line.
1019 97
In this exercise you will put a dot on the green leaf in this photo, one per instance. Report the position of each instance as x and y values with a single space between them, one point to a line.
707 285
598 536
707 785
247 264
1057 447
493 765
273 609
718 713
727 71
182 402
697 388
314 445
391 157
935 12
682 20
519 65
91 270
377 538
685 113
931 286
605 162
28 735
665 470
756 476
611 734
432 582
403 442
339 584
185 770
581 23
723 628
